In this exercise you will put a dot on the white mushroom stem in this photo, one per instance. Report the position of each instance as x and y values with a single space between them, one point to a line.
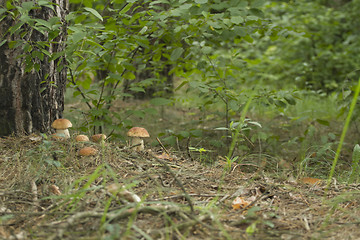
63 133
137 141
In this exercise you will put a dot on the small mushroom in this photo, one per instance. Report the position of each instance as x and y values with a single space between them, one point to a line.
97 138
81 138
54 189
87 151
120 191
136 134
61 126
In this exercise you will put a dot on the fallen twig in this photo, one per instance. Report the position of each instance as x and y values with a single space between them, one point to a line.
190 194
115 215
162 146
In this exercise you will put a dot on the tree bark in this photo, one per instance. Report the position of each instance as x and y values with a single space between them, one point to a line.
30 100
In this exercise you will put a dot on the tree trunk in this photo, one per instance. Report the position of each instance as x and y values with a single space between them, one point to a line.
31 98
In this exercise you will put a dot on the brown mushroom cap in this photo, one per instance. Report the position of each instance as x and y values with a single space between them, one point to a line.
138 132
87 151
61 123
81 138
98 137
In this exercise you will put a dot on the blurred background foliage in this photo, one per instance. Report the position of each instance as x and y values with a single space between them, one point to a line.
297 59
320 53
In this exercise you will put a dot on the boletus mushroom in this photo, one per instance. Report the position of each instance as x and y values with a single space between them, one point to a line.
137 134
98 138
87 151
81 138
61 126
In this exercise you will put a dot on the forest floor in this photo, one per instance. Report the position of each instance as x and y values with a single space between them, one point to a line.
47 191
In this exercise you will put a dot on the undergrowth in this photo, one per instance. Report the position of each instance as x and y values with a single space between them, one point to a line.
185 188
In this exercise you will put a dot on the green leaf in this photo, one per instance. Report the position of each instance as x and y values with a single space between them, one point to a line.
257 13
14 28
129 75
207 50
43 23
157 55
37 67
138 113
290 100
86 83
181 85
27 5
323 122
53 162
196 133
2 10
280 103
94 12
47 4
255 123
143 30
237 19
78 36
185 6
160 101
201 1
240 31
222 128
3 42
184 134
257 3
248 39
176 53
37 54
234 105
126 8
137 89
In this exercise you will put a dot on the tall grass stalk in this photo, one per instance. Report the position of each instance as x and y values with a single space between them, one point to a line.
354 176
343 134
235 136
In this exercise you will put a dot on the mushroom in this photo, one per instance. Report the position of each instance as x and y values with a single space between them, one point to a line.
54 189
81 138
98 138
88 151
136 134
61 125
120 191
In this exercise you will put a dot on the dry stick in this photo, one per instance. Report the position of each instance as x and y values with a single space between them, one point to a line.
163 147
132 146
188 149
112 216
167 168
41 213
191 194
